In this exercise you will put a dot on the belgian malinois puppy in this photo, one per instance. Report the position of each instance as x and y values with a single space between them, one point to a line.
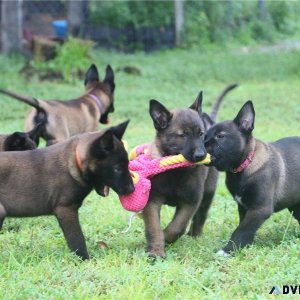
62 119
190 190
55 180
262 177
20 141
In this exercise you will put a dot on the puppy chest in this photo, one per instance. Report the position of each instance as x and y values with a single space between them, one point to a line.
175 189
239 200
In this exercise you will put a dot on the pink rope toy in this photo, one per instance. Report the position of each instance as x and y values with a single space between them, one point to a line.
142 168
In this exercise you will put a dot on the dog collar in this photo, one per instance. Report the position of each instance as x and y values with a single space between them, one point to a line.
98 102
78 159
245 163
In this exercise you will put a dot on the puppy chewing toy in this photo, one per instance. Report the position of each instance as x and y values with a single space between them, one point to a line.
142 168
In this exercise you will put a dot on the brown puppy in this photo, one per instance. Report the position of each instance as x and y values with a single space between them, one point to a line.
20 141
191 189
62 119
55 180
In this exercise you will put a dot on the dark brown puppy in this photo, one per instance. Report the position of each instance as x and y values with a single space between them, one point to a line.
55 180
262 177
20 141
191 189
62 119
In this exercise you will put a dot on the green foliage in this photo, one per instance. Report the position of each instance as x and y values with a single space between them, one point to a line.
245 21
280 12
132 13
196 26
73 56
206 22
72 59
262 30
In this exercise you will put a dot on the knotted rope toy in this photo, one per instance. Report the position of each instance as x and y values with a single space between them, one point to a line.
142 167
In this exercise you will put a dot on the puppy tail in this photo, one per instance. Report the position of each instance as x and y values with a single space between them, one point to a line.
219 101
40 120
41 115
36 132
28 100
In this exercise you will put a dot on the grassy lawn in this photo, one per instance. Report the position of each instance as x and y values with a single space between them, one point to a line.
35 262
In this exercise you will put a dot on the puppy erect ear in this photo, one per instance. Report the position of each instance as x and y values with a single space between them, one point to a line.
208 122
197 105
118 131
103 145
245 118
110 77
159 114
91 75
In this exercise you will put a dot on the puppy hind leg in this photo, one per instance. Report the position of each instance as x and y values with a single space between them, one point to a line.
2 215
200 216
295 210
53 136
178 225
56 140
51 142
202 212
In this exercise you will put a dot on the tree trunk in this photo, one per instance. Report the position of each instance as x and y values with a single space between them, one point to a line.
179 21
262 9
77 13
11 25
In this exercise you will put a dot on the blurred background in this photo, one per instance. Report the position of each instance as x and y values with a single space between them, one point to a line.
145 25
57 37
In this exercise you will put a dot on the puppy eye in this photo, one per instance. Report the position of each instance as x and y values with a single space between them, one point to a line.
181 134
117 169
200 133
220 135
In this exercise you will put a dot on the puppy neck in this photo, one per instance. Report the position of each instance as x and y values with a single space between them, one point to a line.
102 98
246 157
78 159
259 158
75 162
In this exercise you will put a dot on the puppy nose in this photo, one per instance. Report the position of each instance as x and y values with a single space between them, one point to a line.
199 155
130 189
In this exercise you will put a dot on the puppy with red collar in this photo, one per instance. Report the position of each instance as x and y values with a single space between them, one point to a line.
263 178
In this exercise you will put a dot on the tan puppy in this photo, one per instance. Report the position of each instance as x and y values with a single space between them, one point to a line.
62 119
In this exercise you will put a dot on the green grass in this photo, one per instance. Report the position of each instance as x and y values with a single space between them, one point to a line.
35 262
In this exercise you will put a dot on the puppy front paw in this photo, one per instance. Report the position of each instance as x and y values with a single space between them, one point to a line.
195 232
222 253
154 252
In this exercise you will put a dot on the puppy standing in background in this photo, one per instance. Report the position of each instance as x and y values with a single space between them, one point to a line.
62 119
263 178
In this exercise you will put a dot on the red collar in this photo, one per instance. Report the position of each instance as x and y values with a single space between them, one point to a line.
245 163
